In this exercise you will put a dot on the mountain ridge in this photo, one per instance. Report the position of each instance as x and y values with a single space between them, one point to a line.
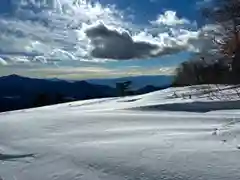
137 81
19 92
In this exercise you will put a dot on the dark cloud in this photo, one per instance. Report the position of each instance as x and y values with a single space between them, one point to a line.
112 44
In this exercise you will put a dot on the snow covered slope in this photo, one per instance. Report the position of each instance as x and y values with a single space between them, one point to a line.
130 138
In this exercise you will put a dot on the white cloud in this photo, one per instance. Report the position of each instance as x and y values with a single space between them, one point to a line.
167 70
170 18
54 31
87 72
112 43
3 62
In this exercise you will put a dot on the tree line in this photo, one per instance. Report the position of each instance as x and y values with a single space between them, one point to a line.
223 66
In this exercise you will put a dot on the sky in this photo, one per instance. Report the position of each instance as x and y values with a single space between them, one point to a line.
84 39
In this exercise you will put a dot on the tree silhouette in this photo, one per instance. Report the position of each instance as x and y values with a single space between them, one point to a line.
123 88
198 72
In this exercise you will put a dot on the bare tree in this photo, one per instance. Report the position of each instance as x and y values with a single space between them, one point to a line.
224 64
226 14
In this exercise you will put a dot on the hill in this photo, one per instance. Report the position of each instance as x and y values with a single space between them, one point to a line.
139 137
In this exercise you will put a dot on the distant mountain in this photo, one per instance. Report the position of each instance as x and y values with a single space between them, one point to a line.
17 85
18 92
138 82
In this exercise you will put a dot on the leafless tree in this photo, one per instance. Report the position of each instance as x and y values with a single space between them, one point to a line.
226 14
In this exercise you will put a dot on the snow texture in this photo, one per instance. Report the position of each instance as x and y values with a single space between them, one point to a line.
173 134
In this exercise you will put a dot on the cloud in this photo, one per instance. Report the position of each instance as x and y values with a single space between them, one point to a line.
3 62
60 31
117 44
170 18
51 30
113 44
87 72
167 70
